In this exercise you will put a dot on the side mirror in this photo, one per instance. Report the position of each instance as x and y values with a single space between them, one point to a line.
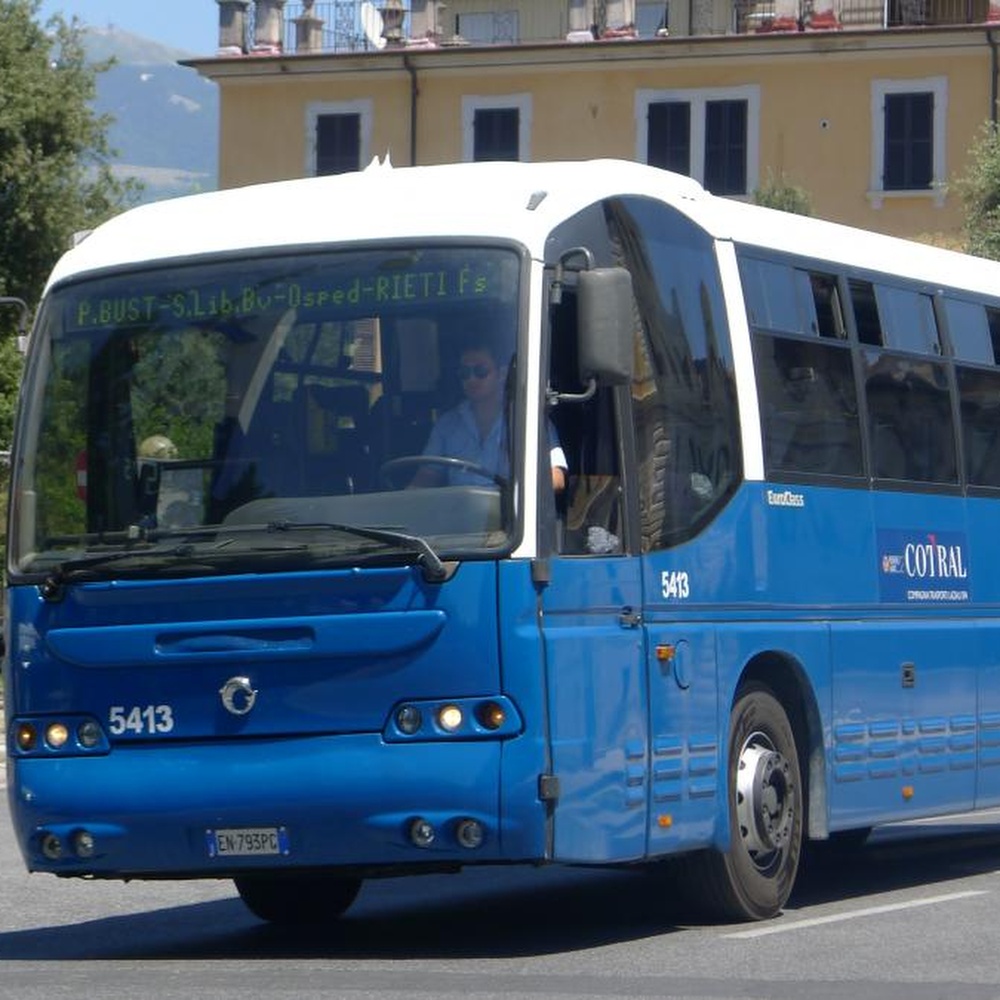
22 325
605 324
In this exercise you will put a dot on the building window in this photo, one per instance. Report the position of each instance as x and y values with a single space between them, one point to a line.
909 141
908 138
495 134
492 28
669 143
338 137
711 135
651 18
496 128
338 143
726 147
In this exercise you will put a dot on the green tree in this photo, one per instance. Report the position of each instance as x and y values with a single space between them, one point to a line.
55 172
979 189
777 192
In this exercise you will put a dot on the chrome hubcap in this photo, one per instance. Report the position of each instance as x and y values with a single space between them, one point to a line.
765 799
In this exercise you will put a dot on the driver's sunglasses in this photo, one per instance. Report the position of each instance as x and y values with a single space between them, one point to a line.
465 372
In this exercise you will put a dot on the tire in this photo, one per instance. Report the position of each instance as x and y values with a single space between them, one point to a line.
755 877
297 898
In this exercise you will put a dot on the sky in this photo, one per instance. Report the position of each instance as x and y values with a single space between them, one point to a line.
189 25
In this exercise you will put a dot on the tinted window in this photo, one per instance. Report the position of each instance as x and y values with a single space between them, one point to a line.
968 331
979 391
866 317
793 300
338 143
808 407
683 390
910 420
773 295
496 134
909 141
726 147
907 319
669 142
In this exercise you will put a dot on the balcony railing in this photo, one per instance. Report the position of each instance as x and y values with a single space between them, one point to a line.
805 15
355 26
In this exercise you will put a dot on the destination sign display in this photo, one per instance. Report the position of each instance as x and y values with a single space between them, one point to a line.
327 290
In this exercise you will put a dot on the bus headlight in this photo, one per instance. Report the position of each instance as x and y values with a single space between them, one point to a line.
450 718
56 735
409 719
42 736
89 734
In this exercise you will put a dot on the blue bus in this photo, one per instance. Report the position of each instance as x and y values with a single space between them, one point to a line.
710 578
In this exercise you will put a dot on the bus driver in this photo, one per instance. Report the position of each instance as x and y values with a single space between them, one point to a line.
474 429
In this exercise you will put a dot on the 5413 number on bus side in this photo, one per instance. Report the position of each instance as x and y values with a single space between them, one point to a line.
674 585
140 719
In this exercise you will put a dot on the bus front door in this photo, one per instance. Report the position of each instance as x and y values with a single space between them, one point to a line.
594 650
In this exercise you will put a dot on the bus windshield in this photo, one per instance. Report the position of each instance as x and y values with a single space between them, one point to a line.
276 411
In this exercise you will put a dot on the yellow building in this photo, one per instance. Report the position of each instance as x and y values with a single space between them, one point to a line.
871 110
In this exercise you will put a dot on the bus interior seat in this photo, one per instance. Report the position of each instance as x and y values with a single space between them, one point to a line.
982 449
263 459
402 423
888 452
273 444
339 458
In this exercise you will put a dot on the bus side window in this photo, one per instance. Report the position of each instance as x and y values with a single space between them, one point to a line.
826 302
909 412
911 428
808 400
593 495
590 506
866 316
808 403
974 333
683 396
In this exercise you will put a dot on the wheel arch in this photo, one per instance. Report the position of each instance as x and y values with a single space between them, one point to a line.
784 676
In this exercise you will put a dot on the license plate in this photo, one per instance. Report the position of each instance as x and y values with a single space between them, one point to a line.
247 842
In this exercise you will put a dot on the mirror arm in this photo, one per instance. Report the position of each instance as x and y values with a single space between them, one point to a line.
553 398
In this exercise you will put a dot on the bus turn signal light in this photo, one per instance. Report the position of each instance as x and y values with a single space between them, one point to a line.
26 737
491 715
464 718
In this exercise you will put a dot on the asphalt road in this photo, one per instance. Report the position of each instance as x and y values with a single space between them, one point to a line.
911 917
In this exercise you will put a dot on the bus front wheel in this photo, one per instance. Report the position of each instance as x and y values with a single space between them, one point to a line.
754 878
288 898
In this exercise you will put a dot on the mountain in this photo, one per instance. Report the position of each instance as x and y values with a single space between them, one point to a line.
166 117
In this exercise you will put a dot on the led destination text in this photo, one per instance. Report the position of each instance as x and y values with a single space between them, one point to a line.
237 301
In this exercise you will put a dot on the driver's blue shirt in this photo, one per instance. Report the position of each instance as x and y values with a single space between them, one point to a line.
455 435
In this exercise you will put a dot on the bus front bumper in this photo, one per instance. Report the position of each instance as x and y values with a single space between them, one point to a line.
214 809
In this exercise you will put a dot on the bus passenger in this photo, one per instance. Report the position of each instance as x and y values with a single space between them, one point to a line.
474 429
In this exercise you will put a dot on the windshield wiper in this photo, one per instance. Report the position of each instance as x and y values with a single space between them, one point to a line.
143 544
429 561
52 586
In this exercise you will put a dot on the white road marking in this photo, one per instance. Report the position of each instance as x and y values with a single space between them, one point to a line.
868 911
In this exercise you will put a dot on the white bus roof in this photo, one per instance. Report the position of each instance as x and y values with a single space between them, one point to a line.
480 200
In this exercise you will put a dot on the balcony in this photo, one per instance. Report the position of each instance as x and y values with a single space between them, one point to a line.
765 16
265 27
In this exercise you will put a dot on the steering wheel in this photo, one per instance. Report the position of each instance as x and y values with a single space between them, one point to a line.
386 469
